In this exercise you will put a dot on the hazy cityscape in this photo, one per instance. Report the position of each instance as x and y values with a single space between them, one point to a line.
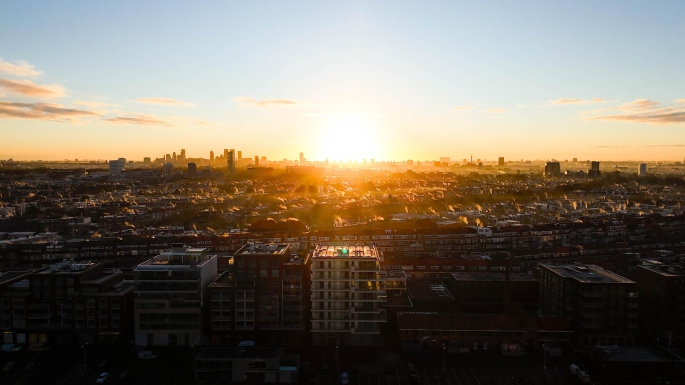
361 193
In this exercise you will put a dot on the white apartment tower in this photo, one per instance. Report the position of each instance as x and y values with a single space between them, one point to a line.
347 294
642 169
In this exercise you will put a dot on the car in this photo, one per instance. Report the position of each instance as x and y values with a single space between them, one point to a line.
10 348
9 367
147 355
102 378
343 379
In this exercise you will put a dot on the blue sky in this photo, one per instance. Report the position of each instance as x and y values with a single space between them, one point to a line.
409 80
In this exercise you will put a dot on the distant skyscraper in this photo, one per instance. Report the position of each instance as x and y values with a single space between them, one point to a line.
575 159
146 159
117 166
642 169
225 153
183 154
301 158
167 157
552 168
168 169
240 156
192 170
211 157
500 162
410 163
230 161
594 169
256 160
263 159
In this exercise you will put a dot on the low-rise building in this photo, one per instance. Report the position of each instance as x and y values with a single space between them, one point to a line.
246 364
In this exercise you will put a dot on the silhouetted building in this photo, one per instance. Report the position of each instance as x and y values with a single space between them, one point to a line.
230 160
211 157
662 301
602 305
594 172
302 160
117 166
500 161
266 299
552 169
246 364
192 170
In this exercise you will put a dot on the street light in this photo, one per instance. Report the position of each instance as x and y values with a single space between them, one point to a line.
544 354
443 357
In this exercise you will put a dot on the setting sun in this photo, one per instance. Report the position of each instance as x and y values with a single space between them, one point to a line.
349 137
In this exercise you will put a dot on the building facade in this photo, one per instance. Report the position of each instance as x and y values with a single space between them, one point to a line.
602 306
171 291
348 292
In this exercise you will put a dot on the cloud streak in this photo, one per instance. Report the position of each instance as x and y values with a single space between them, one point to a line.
95 105
462 108
22 69
248 102
165 102
644 111
642 145
153 120
29 88
43 111
577 101
495 110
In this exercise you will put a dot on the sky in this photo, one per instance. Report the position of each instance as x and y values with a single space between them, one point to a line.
390 80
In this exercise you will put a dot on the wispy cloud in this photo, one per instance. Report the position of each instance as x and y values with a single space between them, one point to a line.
463 108
248 102
639 105
43 111
22 69
166 102
153 120
642 145
29 88
95 105
643 111
495 110
577 101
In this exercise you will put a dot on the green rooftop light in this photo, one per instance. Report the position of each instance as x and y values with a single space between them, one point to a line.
344 250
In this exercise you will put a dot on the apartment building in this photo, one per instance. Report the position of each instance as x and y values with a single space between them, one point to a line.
603 306
67 303
662 301
348 292
266 299
171 290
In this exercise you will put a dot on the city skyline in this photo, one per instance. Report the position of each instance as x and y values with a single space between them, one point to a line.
343 81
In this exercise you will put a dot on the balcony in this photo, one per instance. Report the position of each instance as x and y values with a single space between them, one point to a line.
592 294
292 297
362 329
365 309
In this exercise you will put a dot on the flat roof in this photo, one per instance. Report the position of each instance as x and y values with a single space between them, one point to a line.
494 277
262 248
8 275
636 354
239 352
427 289
225 279
346 251
587 273
666 270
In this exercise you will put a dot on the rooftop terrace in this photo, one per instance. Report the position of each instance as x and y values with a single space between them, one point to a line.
587 274
346 251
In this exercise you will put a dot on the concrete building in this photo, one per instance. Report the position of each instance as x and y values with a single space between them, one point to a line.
171 291
348 292
500 161
211 157
552 169
642 169
230 162
168 169
302 159
117 166
266 299
482 290
67 303
246 364
192 170
662 301
603 306
594 170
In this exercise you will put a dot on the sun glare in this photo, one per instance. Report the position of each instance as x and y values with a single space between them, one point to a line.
349 137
